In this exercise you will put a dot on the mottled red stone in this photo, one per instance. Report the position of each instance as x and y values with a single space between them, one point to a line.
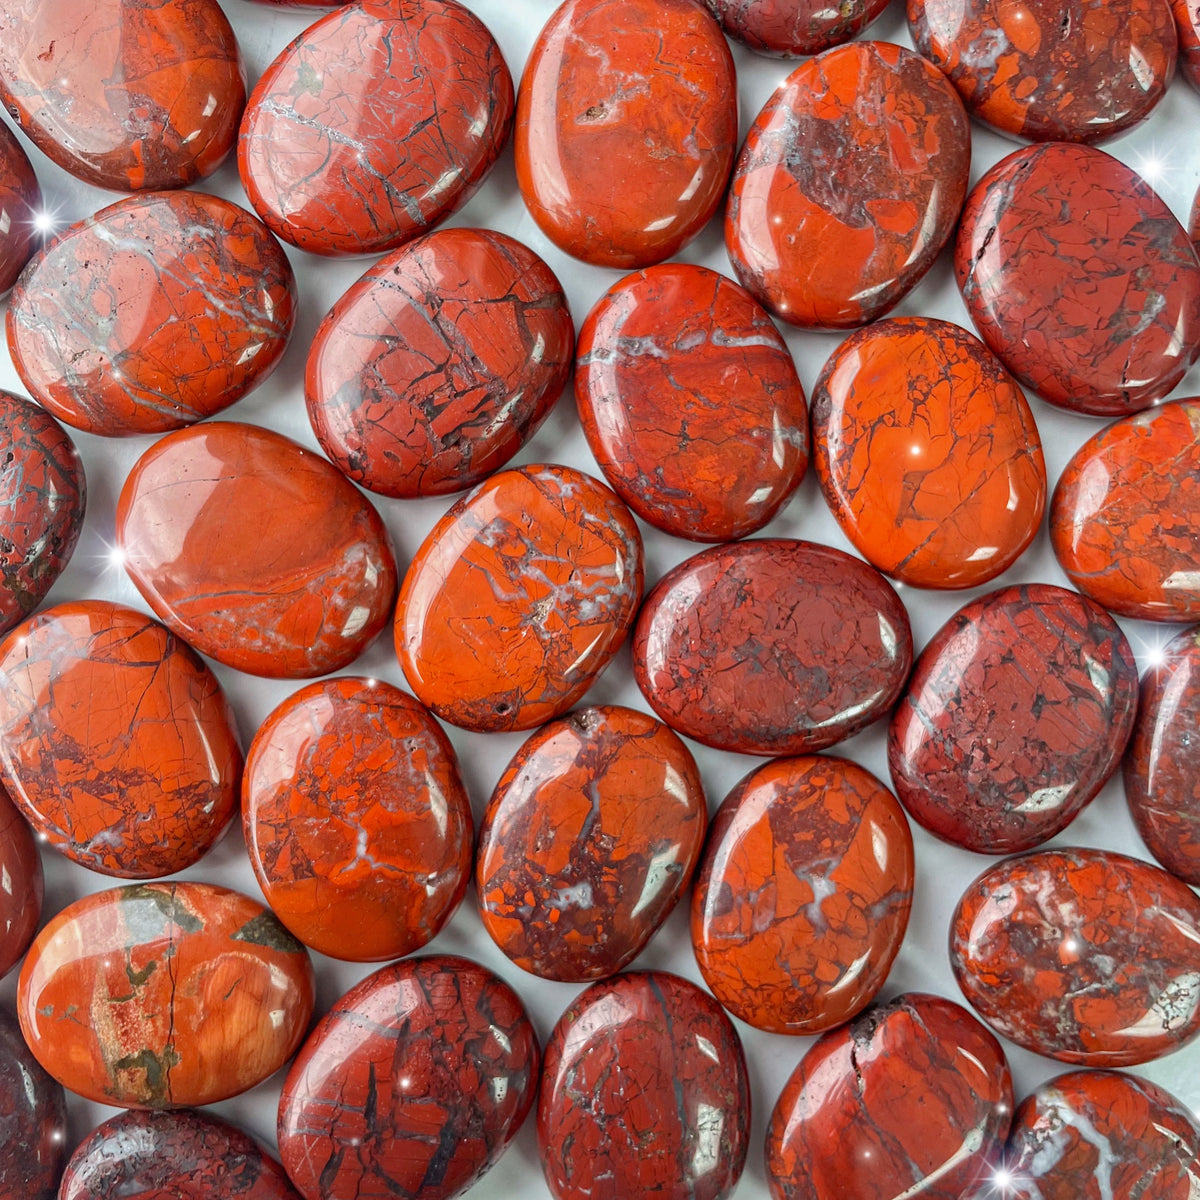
24 887
1086 956
804 894
1080 279
297 583
771 646
374 125
20 202
1015 717
690 402
357 823
440 363
835 214
913 1099
33 1121
1187 25
154 313
794 28
644 1093
116 741
623 156
131 95
413 1085
588 842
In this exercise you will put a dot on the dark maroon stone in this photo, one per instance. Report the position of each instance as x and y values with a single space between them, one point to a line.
20 199
33 1121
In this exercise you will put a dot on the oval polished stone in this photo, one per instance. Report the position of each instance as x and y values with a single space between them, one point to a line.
691 403
1125 516
1086 956
413 1085
116 741
771 646
794 28
193 993
154 313
1015 717
644 1092
124 94
374 125
440 363
301 589
1080 279
23 887
43 499
1050 72
33 1121
20 205
1187 25
357 823
913 1099
519 598
623 156
835 214
588 842
804 894
927 453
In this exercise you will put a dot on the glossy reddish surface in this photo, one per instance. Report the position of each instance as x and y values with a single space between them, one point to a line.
1080 279
154 313
519 598
835 214
300 590
1086 956
33 1121
356 820
913 1099
413 1085
20 201
1015 717
771 646
690 402
374 125
1187 25
24 888
1125 516
794 28
644 1093
623 157
927 453
193 993
440 363
588 842
804 894
131 95
116 741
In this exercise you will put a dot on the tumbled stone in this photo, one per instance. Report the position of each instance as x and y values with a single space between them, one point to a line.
33 1121
23 887
20 204
1187 25
794 28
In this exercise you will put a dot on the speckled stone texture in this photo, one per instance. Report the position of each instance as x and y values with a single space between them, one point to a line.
33 1121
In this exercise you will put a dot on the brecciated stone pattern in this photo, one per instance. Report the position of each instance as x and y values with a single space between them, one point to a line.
794 28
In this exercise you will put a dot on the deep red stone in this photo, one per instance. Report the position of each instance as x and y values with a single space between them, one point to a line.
20 202
913 1099
835 214
440 363
154 313
413 1085
1187 25
33 1121
374 125
690 402
771 646
1086 956
24 887
644 1093
1015 717
1080 279
794 28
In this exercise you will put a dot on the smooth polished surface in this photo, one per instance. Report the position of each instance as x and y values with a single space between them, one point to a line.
20 202
1187 25
23 886
794 28
33 1121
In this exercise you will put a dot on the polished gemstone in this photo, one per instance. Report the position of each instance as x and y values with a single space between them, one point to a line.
771 646
588 842
413 1085
1086 956
623 155
690 402
519 598
20 204
116 741
24 888
804 894
1187 25
794 28
357 823
256 550
154 313
193 993
927 453
644 1093
1015 717
440 363
374 125
835 213
33 1121
1080 279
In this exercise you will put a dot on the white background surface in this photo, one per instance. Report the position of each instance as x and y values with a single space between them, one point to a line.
1165 149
